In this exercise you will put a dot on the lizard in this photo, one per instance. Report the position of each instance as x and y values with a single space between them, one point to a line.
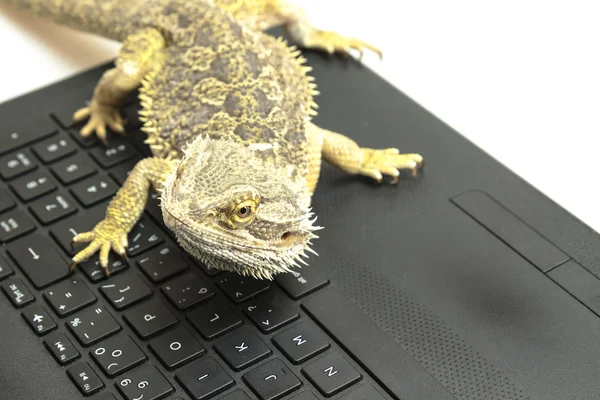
228 111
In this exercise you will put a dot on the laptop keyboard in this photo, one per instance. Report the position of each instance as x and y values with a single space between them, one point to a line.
163 325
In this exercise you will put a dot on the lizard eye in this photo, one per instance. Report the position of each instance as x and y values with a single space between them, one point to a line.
244 213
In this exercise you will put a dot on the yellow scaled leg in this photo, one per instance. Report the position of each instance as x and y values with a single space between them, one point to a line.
135 59
264 14
123 212
344 153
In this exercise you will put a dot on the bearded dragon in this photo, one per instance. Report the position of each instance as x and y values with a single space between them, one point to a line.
228 114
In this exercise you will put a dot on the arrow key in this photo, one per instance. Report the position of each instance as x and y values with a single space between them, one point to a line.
39 259
271 311
95 189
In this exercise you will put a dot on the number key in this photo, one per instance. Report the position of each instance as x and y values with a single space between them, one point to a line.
92 325
145 383
113 154
118 355
73 169
94 189
16 164
33 185
54 148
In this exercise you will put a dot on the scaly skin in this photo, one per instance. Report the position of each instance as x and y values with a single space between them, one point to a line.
227 110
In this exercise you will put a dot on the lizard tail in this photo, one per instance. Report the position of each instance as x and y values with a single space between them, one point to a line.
107 18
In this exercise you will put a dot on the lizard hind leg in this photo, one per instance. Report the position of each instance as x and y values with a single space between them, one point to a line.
307 36
136 58
345 154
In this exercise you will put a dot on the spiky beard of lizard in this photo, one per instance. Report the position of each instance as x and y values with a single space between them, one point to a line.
202 202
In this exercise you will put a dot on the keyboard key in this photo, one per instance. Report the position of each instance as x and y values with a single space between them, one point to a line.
204 379
242 348
39 259
61 348
302 282
73 169
187 290
208 271
214 319
21 137
145 383
125 291
237 395
162 263
53 207
5 268
6 201
365 392
94 190
331 374
85 378
94 271
54 149
113 154
92 325
85 142
122 171
39 320
69 296
17 292
176 348
271 311
241 288
272 381
301 342
144 236
307 396
117 355
14 224
34 185
150 318
64 231
16 164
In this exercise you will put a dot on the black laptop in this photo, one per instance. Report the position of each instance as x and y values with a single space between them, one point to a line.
462 283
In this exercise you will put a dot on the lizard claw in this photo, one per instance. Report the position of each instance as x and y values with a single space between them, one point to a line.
105 236
379 162
100 116
332 42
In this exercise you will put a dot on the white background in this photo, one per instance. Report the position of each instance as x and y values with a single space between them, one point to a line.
520 78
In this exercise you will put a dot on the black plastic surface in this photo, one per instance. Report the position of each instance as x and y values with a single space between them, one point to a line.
478 317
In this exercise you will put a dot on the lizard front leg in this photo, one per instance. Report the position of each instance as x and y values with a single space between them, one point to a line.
345 154
136 58
123 211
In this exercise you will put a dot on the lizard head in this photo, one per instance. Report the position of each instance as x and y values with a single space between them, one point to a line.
234 209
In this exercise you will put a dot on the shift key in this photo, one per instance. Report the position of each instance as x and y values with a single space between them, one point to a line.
39 260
